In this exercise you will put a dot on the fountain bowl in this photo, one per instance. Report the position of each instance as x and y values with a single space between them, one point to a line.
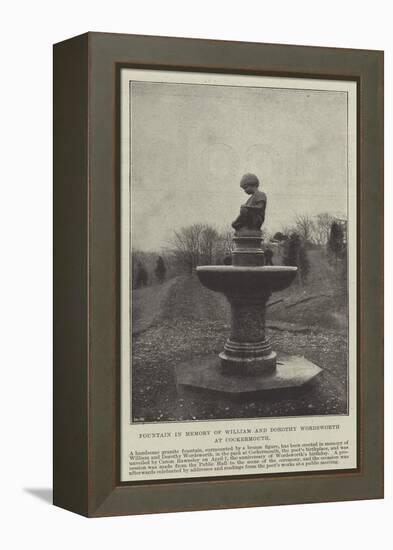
231 279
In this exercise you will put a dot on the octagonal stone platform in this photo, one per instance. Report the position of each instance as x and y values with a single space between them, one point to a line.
205 373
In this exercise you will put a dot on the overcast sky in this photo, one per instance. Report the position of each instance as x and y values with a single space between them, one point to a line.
190 145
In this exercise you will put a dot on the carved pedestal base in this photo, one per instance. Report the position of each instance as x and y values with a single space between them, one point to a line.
248 351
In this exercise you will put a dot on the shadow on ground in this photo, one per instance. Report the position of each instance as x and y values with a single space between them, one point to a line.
43 494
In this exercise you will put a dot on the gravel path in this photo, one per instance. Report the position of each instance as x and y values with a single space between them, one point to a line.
148 303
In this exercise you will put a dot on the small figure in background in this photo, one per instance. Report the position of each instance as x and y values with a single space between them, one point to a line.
160 270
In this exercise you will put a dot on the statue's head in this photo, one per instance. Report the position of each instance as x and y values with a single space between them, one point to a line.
249 183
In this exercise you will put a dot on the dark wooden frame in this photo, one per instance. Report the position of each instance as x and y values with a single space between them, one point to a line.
86 273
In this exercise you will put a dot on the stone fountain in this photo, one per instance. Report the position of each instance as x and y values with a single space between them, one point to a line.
247 363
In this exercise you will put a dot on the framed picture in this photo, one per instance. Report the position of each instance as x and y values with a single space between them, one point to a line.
218 264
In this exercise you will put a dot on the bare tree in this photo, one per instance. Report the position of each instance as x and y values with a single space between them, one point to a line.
194 244
224 245
305 228
186 246
208 243
286 231
322 225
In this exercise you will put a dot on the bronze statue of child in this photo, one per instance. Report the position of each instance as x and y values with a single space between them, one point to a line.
252 213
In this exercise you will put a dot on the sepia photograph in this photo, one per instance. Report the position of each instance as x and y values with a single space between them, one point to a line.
240 203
